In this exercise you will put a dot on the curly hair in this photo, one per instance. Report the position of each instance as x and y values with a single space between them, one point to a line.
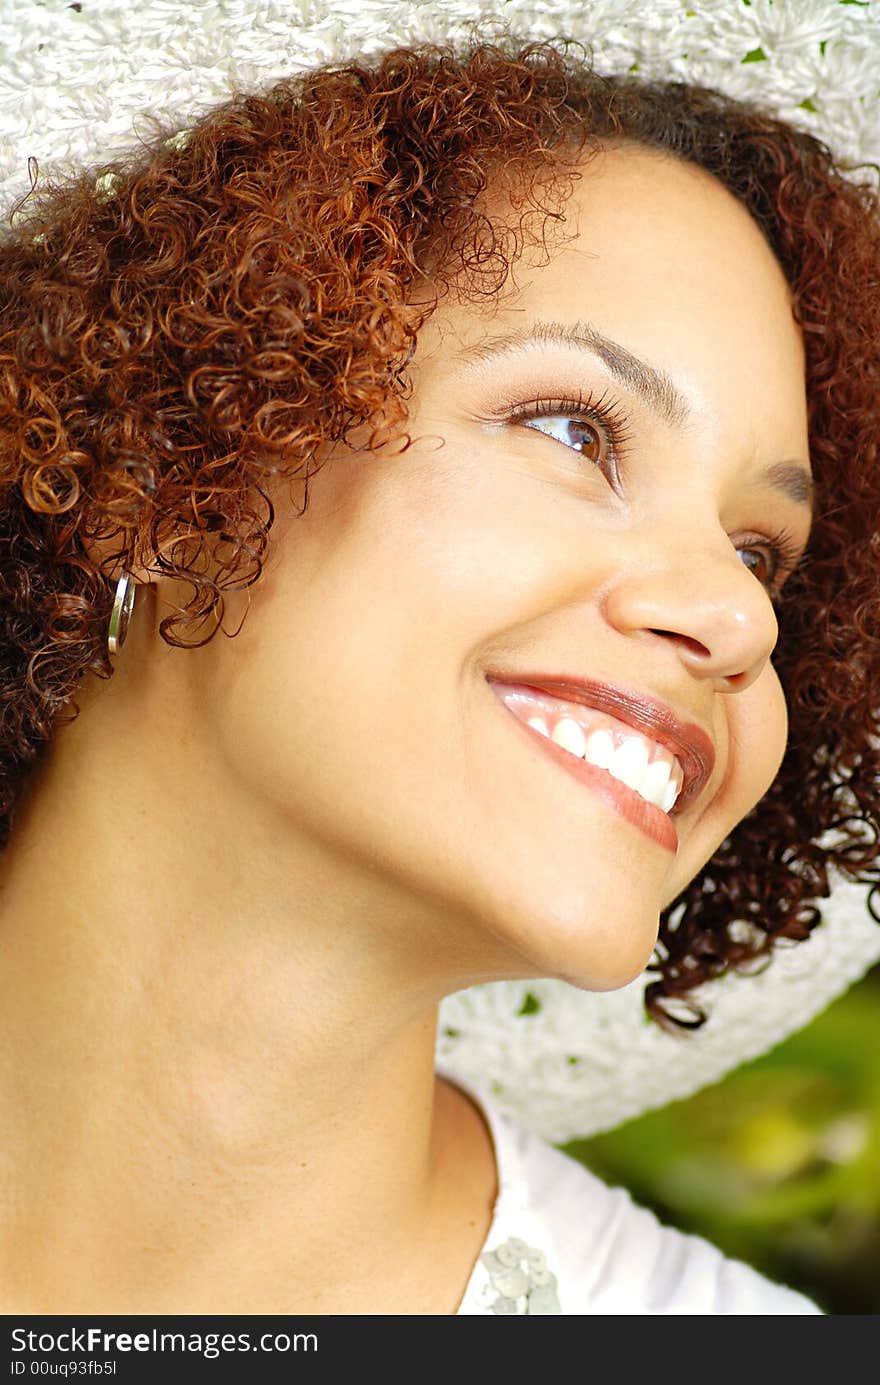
228 305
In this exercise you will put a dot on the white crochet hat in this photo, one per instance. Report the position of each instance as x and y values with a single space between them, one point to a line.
74 80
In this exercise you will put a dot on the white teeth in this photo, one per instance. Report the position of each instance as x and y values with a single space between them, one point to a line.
569 735
656 782
653 782
630 762
669 797
627 762
600 749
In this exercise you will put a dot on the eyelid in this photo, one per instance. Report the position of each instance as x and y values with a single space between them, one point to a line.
788 555
605 413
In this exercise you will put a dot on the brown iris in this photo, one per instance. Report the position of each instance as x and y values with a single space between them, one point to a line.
584 438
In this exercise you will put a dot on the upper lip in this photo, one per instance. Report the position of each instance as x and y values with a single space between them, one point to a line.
688 742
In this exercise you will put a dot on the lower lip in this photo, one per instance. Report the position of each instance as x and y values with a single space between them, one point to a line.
624 800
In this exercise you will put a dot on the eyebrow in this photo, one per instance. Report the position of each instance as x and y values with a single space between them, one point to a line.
650 384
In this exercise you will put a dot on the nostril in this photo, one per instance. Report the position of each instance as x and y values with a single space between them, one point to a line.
693 646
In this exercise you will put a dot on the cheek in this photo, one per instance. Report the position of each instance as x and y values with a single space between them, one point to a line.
756 733
347 674
758 736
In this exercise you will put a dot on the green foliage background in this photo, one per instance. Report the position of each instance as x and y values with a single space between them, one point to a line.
779 1164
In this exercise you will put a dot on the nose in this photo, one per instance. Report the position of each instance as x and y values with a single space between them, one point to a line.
702 601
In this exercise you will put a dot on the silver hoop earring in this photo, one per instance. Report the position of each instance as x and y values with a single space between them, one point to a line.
123 605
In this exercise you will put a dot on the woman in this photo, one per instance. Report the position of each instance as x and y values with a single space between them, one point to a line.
503 415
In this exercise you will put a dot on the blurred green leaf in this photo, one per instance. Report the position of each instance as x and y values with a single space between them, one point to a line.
779 1164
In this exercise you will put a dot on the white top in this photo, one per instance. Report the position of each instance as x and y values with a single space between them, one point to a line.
562 1241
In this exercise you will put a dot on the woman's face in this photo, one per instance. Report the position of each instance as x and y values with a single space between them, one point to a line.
620 538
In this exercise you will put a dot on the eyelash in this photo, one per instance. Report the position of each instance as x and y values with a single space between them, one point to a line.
606 414
610 419
785 552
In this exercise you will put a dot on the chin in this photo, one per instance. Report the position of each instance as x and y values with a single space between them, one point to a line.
605 978
588 955
603 981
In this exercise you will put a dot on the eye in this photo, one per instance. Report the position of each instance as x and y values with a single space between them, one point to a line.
777 554
577 433
595 429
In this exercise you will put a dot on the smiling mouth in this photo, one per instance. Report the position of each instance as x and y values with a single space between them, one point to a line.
637 777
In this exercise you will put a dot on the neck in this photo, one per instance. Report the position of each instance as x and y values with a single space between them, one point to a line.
210 1035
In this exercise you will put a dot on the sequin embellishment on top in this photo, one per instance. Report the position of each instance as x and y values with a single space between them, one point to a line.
520 1280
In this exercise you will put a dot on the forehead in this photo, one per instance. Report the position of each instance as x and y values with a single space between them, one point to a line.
658 255
661 230
674 232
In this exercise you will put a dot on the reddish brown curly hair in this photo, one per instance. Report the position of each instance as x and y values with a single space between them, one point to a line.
243 300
